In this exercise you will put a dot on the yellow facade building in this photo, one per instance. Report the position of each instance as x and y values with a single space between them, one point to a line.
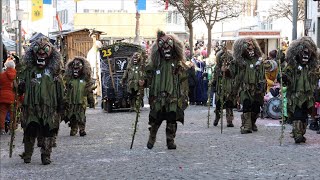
122 25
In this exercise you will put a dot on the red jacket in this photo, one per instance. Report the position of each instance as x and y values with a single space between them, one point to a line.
6 85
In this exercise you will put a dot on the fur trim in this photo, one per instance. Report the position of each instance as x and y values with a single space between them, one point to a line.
227 54
55 64
178 51
86 71
160 34
10 63
238 50
297 46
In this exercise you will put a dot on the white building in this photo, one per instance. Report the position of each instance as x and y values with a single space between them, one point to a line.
255 18
313 8
67 9
43 25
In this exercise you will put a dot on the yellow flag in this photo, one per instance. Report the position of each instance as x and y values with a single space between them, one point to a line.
37 10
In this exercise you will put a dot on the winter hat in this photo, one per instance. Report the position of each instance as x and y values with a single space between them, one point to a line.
10 63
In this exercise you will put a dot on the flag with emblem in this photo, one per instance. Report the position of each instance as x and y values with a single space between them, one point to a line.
37 10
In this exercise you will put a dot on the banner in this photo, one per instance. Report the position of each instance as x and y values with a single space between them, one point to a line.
59 22
37 10
141 5
47 1
166 5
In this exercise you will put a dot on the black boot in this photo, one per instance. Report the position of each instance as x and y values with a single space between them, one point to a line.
45 159
298 132
171 130
254 117
28 149
82 133
152 136
229 117
246 126
216 121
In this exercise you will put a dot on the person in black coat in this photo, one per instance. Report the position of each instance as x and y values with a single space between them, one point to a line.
192 81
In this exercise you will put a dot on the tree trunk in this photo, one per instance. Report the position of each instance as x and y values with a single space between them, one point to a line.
190 38
209 40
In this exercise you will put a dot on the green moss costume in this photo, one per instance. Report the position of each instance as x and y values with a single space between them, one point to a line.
79 91
250 78
225 89
168 83
301 76
43 88
131 77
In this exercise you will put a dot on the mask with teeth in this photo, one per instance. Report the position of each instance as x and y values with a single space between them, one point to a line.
165 46
249 52
304 56
42 50
77 68
136 58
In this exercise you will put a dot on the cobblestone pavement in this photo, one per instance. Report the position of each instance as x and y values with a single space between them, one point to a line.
202 153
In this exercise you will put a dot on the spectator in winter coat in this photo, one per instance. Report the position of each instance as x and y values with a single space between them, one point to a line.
6 91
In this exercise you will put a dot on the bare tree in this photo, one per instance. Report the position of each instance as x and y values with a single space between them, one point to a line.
189 11
283 9
213 11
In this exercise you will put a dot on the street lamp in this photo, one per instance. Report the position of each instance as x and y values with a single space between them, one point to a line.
19 19
16 26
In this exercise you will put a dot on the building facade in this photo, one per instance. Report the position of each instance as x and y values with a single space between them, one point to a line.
313 9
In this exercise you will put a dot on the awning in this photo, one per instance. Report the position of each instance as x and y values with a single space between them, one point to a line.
10 44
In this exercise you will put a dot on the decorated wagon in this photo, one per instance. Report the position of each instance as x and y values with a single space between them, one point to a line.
114 61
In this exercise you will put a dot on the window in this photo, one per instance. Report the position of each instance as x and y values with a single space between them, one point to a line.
63 15
169 17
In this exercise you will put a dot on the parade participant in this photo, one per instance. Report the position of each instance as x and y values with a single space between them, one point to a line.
271 70
6 91
224 79
131 77
250 78
42 85
79 93
93 56
166 72
300 76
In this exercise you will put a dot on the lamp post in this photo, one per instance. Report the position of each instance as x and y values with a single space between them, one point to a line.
137 31
19 19
294 19
16 26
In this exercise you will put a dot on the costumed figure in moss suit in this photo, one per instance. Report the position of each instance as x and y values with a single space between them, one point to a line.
166 72
250 78
79 93
42 85
132 75
301 78
224 80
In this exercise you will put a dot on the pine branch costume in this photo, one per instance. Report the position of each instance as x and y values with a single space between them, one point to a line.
79 92
301 76
251 80
135 71
225 85
168 81
42 85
